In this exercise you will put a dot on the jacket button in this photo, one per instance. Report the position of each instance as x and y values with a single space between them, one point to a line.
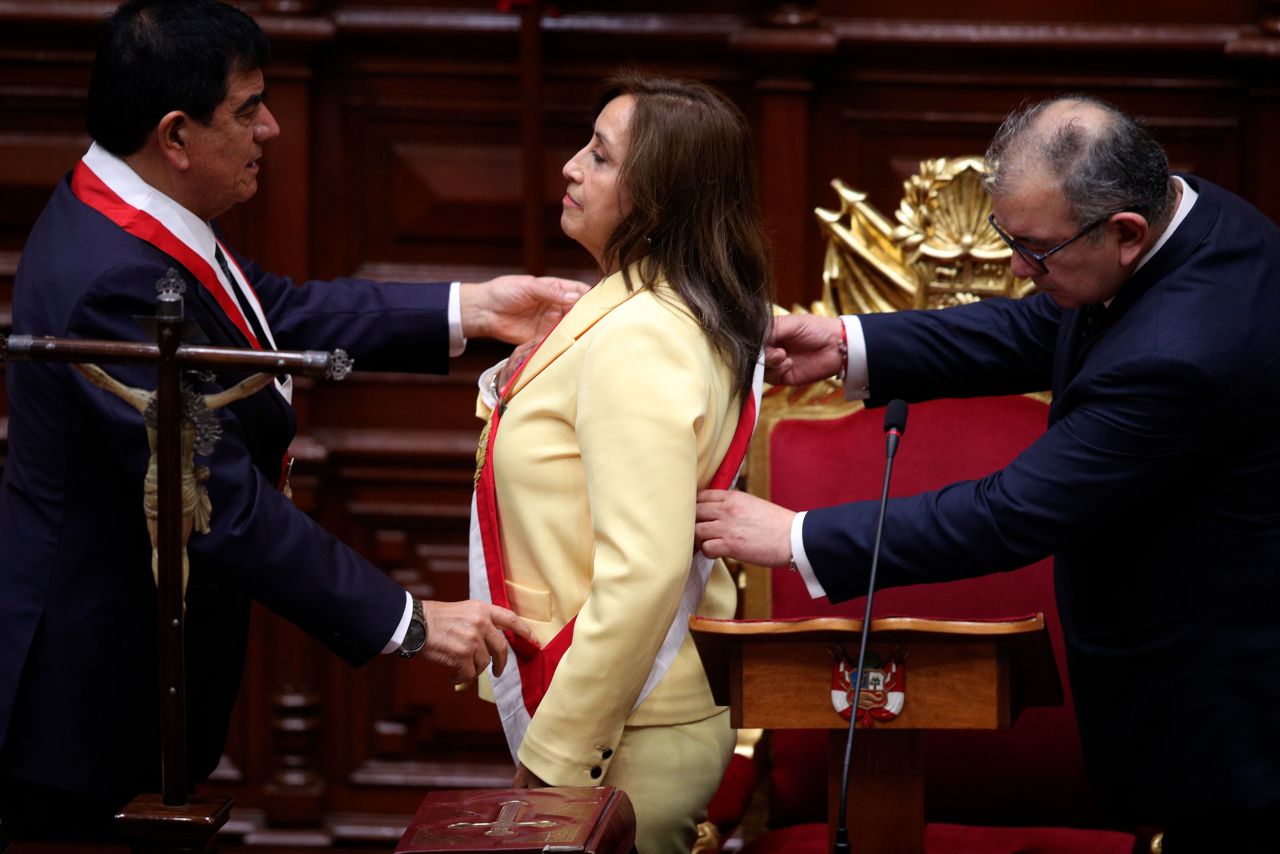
596 772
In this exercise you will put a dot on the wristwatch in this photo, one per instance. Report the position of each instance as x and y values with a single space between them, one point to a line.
415 636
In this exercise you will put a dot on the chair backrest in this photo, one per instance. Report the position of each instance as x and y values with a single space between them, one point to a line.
813 449
1031 774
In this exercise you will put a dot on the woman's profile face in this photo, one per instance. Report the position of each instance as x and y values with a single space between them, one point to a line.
595 200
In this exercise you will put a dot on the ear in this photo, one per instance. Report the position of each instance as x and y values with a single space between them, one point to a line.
171 135
1131 233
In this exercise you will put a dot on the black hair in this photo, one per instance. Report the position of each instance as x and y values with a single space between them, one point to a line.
157 56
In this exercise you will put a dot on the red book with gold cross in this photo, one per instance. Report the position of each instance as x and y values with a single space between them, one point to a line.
567 821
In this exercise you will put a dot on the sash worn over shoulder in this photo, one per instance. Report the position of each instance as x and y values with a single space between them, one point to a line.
520 689
107 184
97 191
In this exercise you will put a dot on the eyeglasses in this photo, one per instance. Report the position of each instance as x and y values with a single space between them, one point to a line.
1036 259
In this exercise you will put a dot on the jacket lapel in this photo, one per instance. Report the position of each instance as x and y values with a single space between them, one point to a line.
586 312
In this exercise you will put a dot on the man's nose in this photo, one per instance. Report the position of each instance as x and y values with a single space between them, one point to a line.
266 127
1023 268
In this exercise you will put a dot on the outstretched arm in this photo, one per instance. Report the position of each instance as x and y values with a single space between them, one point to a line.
138 398
239 391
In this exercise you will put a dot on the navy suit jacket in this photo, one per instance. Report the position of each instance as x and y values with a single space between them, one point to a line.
1157 487
78 657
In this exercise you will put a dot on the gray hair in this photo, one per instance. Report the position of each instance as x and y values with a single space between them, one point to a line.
1103 167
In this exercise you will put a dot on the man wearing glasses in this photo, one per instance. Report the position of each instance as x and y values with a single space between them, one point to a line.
1157 326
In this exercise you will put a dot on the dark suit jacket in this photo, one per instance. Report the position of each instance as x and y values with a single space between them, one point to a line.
1157 487
78 695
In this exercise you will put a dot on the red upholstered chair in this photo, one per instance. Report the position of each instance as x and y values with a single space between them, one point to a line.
1017 790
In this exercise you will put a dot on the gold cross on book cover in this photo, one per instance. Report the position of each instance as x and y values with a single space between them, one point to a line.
570 820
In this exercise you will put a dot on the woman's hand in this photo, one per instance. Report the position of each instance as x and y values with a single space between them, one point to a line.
526 779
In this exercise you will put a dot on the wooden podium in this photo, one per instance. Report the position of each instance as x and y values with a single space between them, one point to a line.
945 674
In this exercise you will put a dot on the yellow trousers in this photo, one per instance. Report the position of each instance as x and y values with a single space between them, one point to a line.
670 774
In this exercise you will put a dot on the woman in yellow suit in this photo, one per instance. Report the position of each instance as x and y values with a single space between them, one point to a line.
585 496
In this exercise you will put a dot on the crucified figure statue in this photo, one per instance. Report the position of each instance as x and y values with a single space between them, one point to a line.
200 431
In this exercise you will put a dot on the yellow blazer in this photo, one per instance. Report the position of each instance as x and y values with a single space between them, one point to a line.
616 422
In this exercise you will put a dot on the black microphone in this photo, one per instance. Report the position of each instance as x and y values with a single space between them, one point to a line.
895 424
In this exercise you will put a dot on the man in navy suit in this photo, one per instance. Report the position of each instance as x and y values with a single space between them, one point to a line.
1156 484
179 121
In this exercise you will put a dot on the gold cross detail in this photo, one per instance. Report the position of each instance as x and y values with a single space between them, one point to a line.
506 822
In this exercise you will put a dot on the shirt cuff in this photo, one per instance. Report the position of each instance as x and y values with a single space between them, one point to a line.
397 637
856 382
456 342
800 561
488 382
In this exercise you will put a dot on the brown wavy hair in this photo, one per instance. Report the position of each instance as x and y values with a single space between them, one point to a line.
695 218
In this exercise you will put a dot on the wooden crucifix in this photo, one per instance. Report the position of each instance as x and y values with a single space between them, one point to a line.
171 822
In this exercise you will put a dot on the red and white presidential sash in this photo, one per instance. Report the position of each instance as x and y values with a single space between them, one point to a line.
107 184
520 688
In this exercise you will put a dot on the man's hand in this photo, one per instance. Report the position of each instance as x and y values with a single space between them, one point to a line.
735 524
513 308
802 348
526 779
464 636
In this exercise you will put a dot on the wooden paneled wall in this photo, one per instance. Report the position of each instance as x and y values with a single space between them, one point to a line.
408 152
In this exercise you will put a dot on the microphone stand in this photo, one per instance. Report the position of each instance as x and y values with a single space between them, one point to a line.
895 422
